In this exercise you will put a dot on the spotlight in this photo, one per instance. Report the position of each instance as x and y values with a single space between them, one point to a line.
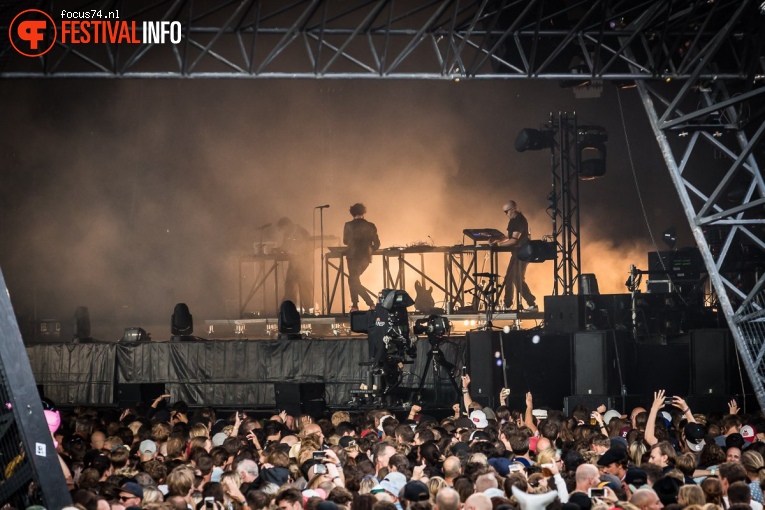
580 74
669 237
289 321
591 142
82 325
533 140
135 335
181 323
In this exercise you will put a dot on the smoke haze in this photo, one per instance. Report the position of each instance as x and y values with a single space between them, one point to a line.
130 196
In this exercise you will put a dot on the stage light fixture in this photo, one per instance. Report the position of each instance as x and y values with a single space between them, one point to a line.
130 335
580 74
669 237
534 140
589 284
591 142
289 321
181 323
537 251
82 325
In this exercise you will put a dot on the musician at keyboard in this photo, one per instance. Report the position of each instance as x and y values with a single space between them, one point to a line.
515 278
297 246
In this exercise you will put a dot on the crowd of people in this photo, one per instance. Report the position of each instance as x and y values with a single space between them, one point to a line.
173 457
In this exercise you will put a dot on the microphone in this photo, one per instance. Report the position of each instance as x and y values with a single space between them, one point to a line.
322 206
263 226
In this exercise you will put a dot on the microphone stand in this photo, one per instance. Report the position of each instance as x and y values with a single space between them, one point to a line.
321 234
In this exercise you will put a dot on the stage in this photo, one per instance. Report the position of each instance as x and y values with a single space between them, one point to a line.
240 373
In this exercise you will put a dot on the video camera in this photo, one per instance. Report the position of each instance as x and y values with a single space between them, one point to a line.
387 327
435 326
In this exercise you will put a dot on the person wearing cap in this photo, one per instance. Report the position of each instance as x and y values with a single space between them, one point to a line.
392 484
692 438
614 462
478 417
414 492
131 494
147 450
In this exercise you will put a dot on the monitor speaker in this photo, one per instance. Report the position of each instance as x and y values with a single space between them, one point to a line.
599 362
300 398
133 394
710 361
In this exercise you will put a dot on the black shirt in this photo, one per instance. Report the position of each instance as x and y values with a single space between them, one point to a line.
361 238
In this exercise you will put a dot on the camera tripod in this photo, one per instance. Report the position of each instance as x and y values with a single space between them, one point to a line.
437 360
487 294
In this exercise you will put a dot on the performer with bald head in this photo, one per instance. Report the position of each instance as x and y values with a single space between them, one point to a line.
515 278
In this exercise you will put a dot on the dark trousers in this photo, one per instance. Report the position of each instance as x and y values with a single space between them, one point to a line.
515 280
298 281
356 268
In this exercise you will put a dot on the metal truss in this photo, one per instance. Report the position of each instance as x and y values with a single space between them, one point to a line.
32 475
406 39
721 120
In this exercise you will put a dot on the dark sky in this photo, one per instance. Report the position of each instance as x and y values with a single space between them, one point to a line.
128 196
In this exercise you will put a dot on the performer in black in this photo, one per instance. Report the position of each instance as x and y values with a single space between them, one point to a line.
515 279
296 243
361 238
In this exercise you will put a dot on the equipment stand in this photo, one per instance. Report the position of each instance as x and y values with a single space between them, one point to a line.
437 359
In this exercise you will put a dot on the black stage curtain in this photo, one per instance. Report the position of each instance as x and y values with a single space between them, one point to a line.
236 373
74 373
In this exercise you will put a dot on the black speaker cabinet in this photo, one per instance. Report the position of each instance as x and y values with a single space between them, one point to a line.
485 376
539 363
300 398
711 351
597 369
591 402
133 394
569 314
564 314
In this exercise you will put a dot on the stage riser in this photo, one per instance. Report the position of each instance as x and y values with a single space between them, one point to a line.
240 373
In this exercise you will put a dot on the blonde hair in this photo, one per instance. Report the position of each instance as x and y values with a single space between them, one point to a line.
636 450
339 417
152 495
198 430
547 456
366 484
753 462
435 484
691 495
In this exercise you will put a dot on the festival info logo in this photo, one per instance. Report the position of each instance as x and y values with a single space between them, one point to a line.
33 32
30 33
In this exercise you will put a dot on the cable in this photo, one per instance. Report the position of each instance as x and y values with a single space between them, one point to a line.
640 197
634 173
